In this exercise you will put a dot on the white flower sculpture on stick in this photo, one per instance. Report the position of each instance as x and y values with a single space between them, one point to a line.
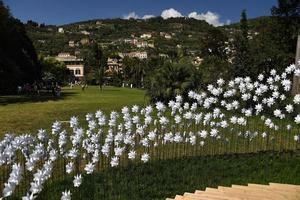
137 132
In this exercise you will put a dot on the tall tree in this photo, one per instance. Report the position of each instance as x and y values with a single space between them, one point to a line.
287 14
242 64
244 24
172 79
135 71
287 8
96 62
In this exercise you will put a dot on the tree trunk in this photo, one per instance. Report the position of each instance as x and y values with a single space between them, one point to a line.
100 81
296 80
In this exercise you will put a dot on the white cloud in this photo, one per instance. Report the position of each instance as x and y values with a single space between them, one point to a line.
131 15
168 13
210 17
228 21
148 16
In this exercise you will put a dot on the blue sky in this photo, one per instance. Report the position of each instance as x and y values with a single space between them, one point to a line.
66 11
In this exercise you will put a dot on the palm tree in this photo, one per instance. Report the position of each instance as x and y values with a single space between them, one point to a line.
171 80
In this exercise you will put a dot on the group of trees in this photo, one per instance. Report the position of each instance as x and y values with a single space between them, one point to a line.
135 71
19 62
274 45
95 61
242 63
54 71
172 79
18 59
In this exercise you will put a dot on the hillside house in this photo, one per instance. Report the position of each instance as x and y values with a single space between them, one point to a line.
114 65
61 30
197 61
168 36
127 41
84 32
85 41
146 35
142 44
163 55
71 43
74 64
138 54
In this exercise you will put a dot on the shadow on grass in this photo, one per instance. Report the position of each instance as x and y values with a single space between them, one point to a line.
166 178
43 97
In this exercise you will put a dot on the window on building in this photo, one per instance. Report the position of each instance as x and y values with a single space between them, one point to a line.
77 72
71 71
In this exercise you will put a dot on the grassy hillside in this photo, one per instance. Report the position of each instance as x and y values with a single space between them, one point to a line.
111 32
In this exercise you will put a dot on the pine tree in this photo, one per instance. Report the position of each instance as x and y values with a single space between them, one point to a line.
242 54
244 24
95 61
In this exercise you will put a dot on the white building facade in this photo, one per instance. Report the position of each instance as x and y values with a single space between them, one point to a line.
74 64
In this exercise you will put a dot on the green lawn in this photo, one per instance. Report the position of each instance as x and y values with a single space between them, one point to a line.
166 178
27 114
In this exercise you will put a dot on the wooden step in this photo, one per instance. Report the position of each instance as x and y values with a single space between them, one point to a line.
203 196
239 193
293 195
263 191
178 197
285 186
273 191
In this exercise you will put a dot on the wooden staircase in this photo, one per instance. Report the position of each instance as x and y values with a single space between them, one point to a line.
273 191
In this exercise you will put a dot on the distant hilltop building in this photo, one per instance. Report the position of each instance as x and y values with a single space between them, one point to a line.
197 61
139 43
85 32
168 36
74 64
162 34
142 44
146 35
114 65
61 30
163 55
151 45
139 54
81 26
71 43
127 41
130 41
85 41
